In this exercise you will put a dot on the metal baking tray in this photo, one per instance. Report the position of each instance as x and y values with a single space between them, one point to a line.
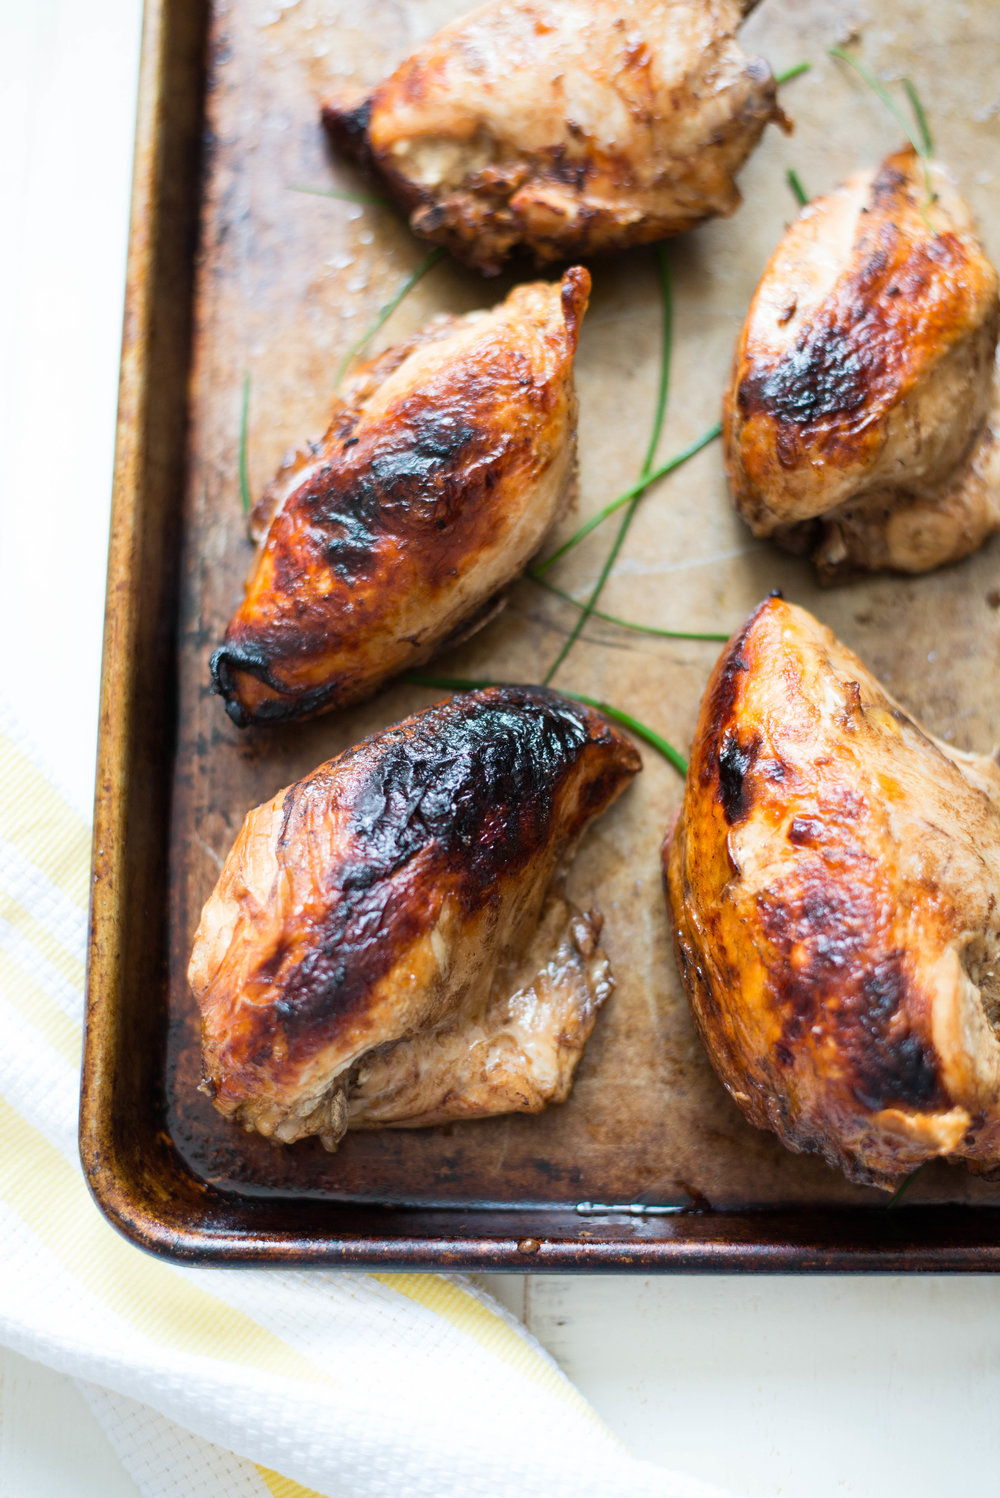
231 271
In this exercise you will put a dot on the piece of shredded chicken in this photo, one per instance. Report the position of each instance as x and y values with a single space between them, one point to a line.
515 1053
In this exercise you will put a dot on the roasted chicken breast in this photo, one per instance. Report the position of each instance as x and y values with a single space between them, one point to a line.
441 471
834 880
384 946
565 127
862 418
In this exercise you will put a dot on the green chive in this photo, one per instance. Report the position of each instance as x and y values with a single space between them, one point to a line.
904 1186
799 192
790 73
425 265
919 116
639 629
666 346
639 487
882 93
588 607
244 476
467 684
918 138
342 195
666 298
649 734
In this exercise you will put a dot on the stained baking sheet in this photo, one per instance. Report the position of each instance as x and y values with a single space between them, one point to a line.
286 281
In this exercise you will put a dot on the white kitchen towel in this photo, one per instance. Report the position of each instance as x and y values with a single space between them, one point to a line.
219 1383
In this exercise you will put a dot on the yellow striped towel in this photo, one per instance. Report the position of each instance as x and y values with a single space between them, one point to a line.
323 1382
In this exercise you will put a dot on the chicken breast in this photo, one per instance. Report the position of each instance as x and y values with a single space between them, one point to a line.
833 881
862 415
565 127
443 467
384 946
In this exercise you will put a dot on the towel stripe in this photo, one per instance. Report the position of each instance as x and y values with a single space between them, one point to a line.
49 1195
26 955
32 929
62 917
43 825
477 1321
23 993
284 1487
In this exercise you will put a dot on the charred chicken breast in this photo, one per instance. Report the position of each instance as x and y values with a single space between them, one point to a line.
565 127
384 946
834 881
441 471
862 417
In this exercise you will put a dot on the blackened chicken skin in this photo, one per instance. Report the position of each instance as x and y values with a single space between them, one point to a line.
442 469
833 880
862 418
385 948
565 127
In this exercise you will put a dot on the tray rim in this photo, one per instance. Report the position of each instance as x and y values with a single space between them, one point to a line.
242 1229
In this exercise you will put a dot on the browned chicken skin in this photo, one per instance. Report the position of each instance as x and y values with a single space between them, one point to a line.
441 471
565 127
383 947
834 881
862 418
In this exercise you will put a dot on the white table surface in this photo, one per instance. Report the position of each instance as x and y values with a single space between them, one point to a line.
812 1387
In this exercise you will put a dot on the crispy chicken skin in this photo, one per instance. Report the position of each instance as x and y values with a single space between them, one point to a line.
862 418
383 947
834 879
565 127
441 471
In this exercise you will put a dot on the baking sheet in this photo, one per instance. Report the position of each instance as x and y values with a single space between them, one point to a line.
287 281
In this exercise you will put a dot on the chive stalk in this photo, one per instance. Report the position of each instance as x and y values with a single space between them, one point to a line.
919 116
667 302
919 137
427 264
632 492
794 72
639 629
798 191
904 1186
